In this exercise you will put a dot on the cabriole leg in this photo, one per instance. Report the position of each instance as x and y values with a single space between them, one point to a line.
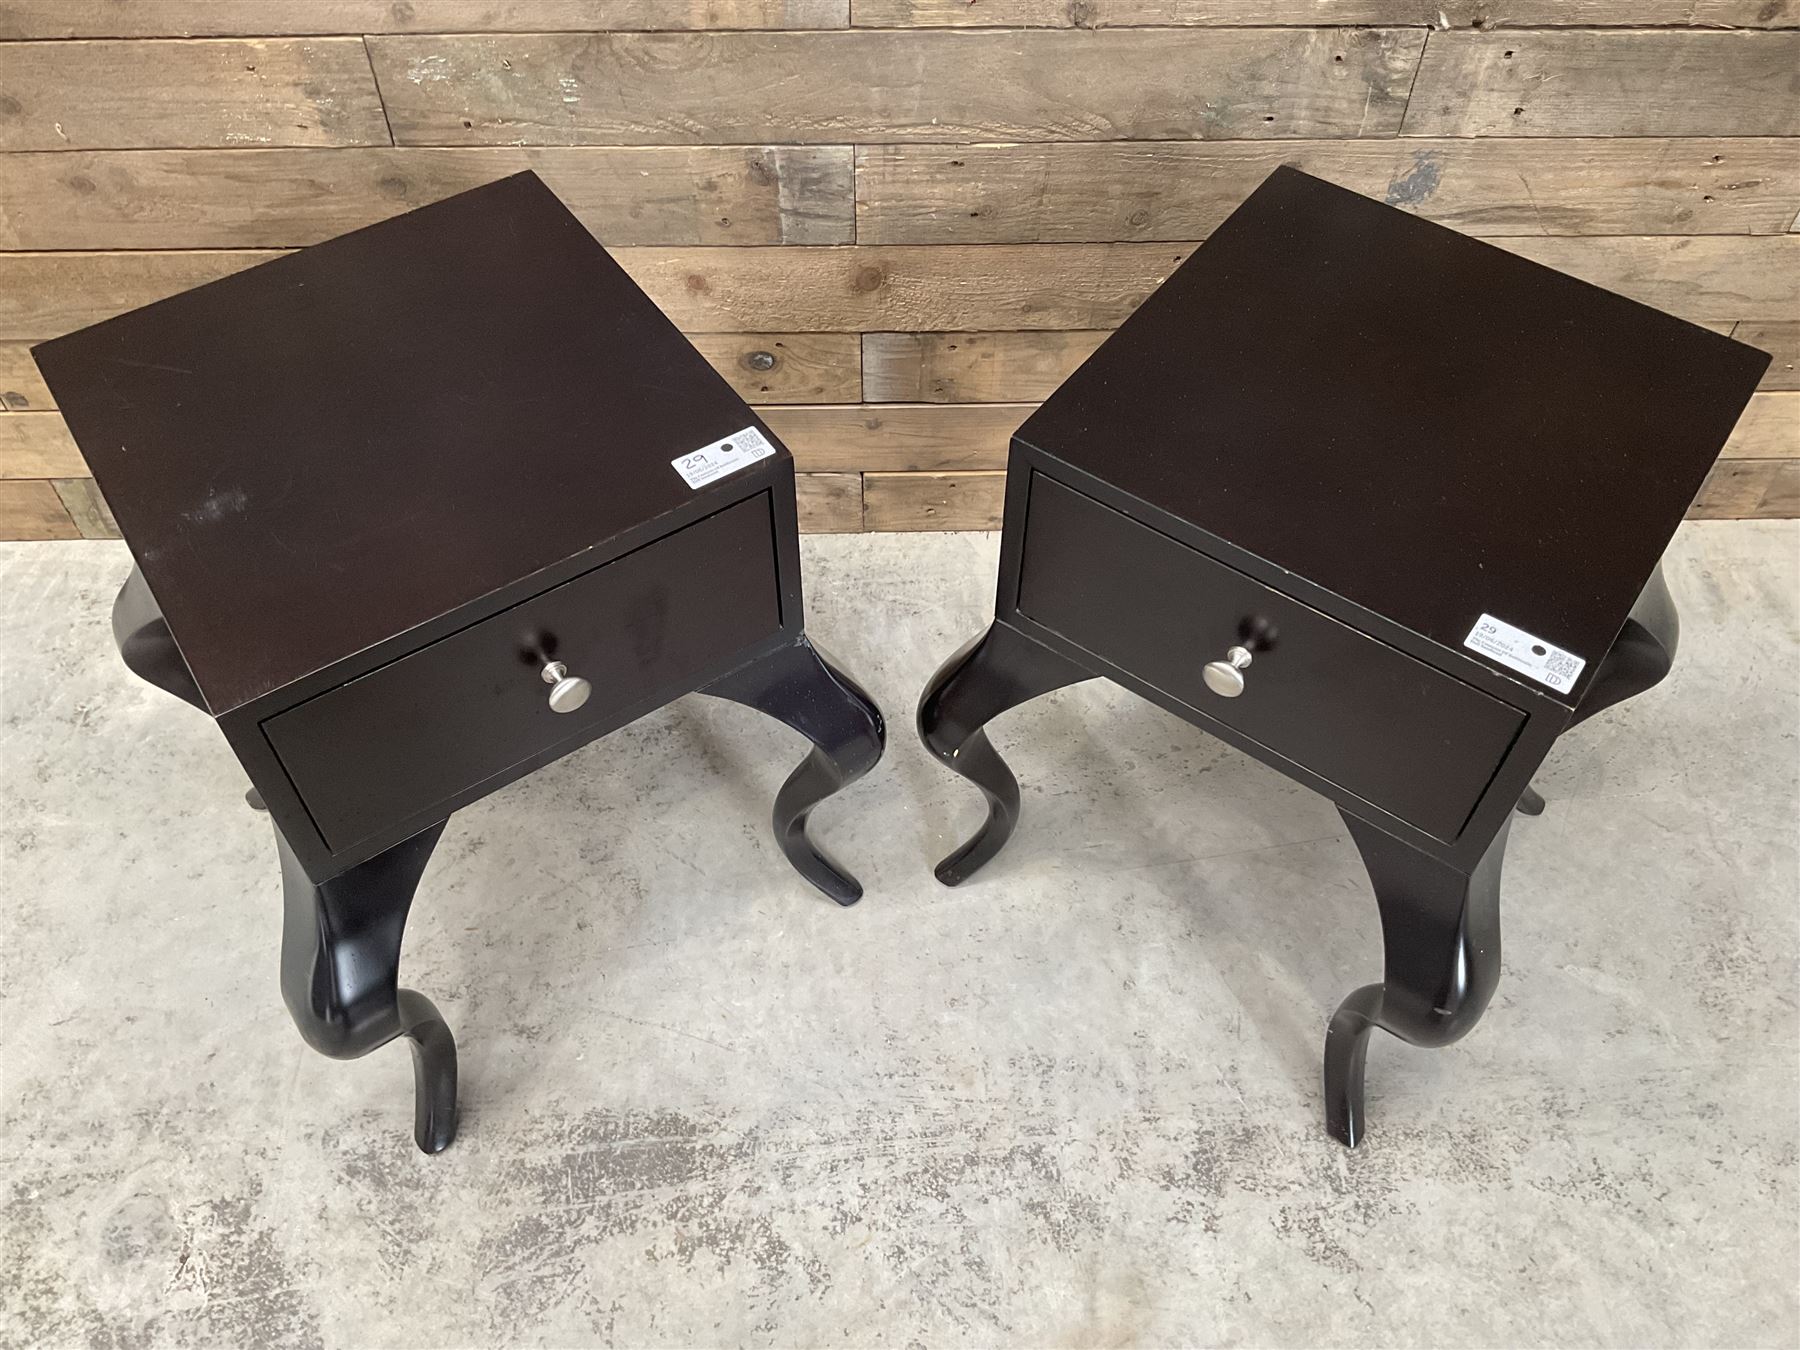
1441 936
340 973
1639 658
799 686
998 670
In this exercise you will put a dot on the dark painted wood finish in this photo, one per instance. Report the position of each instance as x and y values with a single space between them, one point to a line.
1339 435
372 490
475 382
371 757
1359 713
1426 425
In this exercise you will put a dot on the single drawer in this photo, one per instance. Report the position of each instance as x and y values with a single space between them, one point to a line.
459 714
1380 725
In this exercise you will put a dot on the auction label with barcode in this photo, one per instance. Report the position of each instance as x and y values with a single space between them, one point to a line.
700 467
1526 654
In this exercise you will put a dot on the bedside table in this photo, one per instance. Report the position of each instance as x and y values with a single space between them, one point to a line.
416 512
1379 505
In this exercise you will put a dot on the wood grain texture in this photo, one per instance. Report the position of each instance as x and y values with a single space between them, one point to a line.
22 389
1705 278
47 294
903 289
1749 489
1781 340
897 437
971 367
685 88
933 501
34 511
830 503
1648 82
1059 193
1425 13
1769 429
228 18
87 508
809 367
118 95
283 198
38 445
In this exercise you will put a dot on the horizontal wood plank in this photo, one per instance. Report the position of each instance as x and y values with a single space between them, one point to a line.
22 389
1781 340
38 445
44 295
971 367
686 88
933 501
229 18
1061 193
806 367
34 511
1705 278
1648 82
830 503
1223 13
87 508
284 198
899 289
897 437
121 95
1769 429
1749 489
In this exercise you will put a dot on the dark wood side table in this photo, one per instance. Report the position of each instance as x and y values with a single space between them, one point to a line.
418 511
1381 506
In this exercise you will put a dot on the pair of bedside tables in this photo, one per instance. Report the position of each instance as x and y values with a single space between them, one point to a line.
419 510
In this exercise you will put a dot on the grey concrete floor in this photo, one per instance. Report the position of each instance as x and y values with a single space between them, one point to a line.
1074 1103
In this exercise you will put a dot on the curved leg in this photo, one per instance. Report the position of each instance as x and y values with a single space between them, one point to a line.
1441 934
144 640
340 968
797 685
999 670
150 653
1639 658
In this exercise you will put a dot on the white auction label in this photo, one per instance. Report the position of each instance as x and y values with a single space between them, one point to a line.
702 466
1524 653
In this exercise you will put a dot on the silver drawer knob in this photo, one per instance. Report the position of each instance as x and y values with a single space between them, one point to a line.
568 691
1226 678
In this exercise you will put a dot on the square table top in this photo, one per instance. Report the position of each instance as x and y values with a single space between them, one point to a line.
1424 424
314 455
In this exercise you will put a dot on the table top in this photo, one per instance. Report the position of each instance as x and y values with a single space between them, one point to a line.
1424 424
322 452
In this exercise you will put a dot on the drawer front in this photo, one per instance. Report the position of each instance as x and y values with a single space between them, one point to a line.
1366 717
372 754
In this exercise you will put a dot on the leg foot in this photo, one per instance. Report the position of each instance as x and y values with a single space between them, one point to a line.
998 670
340 968
1441 935
1530 803
799 686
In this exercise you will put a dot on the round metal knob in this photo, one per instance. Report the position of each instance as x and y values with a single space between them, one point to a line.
1226 678
568 692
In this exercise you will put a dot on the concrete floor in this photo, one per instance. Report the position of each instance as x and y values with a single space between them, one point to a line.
1074 1103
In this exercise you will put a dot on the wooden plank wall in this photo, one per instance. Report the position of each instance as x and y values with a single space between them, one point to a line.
895 224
